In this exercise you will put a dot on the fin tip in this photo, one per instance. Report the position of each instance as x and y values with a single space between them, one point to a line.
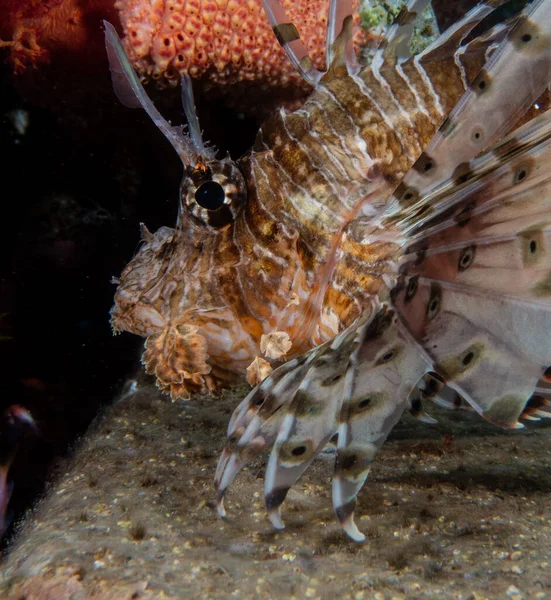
276 520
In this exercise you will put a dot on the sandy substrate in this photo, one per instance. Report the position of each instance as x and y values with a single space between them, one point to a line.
458 510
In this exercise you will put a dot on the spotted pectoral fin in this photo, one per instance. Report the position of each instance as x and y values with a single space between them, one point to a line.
357 385
380 378
517 72
475 293
255 423
311 419
294 410
177 356
481 348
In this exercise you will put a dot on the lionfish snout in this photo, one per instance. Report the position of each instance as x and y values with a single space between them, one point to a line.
138 308
165 295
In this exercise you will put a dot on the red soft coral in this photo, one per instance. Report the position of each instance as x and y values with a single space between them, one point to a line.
35 29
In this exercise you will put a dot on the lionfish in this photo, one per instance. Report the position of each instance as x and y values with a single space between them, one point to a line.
390 240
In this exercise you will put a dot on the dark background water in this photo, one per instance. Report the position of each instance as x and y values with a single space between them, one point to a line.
76 183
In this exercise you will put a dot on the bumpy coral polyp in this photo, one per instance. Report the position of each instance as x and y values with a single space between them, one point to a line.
227 40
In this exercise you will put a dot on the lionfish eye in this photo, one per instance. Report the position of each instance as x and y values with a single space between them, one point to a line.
210 195
213 195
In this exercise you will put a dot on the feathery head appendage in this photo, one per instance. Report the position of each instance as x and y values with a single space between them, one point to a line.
177 356
213 200
189 327
131 93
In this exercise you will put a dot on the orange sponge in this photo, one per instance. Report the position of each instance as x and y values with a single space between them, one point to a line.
227 41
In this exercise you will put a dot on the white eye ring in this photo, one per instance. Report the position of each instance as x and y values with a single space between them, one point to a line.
214 195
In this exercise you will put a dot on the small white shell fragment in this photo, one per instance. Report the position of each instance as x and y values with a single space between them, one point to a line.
275 344
293 300
258 370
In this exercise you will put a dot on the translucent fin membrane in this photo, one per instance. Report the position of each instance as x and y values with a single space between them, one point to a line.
398 38
131 93
515 75
289 38
188 105
339 11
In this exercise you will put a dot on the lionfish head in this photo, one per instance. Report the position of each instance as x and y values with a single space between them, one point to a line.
179 290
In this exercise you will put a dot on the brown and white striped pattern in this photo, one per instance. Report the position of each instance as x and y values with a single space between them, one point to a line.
303 251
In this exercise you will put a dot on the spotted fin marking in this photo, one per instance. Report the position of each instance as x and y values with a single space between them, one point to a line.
456 310
382 373
476 293
310 402
491 172
311 418
292 409
256 421
516 74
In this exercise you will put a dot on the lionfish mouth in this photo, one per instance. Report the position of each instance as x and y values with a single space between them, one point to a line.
201 349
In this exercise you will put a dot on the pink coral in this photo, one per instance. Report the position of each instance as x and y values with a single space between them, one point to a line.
33 30
227 41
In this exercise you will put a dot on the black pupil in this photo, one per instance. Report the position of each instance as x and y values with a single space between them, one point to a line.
210 195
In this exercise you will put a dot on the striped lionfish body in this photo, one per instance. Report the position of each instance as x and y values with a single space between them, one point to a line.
387 239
